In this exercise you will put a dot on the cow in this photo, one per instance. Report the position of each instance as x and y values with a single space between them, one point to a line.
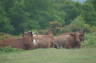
27 40
63 41
43 41
24 42
69 40
12 42
79 37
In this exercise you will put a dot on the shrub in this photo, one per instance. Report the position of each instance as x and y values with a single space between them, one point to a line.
9 49
90 40
56 27
77 24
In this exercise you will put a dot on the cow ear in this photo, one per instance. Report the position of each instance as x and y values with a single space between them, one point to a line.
72 34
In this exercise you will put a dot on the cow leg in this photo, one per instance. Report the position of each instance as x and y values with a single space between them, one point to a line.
61 46
69 45
78 46
56 45
28 46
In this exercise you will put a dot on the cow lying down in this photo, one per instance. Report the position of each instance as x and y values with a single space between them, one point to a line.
66 40
42 41
69 40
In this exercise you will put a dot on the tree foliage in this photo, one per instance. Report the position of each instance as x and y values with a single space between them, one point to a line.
17 16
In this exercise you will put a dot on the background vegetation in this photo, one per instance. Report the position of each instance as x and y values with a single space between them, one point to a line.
17 16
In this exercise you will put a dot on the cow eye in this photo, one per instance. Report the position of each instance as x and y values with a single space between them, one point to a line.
82 35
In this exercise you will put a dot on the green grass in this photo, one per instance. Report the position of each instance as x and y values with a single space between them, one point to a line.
51 55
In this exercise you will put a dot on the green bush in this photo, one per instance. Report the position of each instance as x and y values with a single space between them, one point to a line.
90 40
77 24
9 49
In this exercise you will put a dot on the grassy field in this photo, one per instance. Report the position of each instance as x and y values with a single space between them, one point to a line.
83 55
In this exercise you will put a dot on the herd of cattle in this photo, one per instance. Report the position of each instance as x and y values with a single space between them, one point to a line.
33 41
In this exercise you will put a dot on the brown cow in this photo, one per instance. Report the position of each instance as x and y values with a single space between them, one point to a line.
12 42
63 41
27 40
43 41
79 37
69 40
23 43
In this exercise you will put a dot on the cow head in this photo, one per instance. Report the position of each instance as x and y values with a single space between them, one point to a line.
28 34
79 36
27 40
